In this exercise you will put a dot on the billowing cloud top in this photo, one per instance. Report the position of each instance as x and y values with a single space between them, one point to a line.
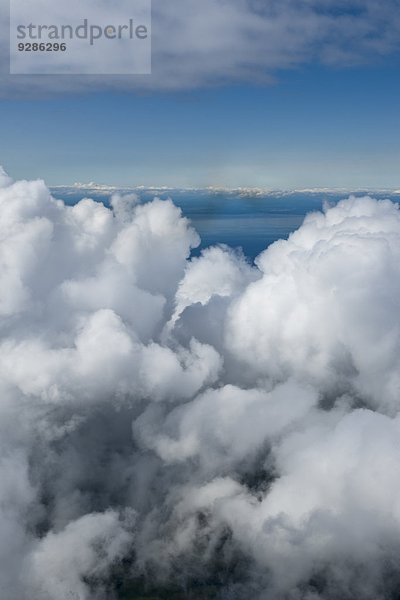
182 420
216 41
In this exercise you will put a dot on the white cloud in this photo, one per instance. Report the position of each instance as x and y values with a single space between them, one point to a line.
85 548
325 306
182 413
216 41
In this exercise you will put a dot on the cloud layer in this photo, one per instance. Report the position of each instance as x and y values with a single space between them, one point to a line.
181 420
216 41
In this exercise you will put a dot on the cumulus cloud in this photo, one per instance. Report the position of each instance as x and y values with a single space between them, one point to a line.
216 41
84 549
174 420
325 306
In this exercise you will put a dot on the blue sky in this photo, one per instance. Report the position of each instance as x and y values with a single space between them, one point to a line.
314 127
268 93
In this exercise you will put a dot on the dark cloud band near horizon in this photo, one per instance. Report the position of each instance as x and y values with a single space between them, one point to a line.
216 42
175 420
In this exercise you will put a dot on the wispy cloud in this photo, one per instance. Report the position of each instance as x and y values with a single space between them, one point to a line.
216 41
